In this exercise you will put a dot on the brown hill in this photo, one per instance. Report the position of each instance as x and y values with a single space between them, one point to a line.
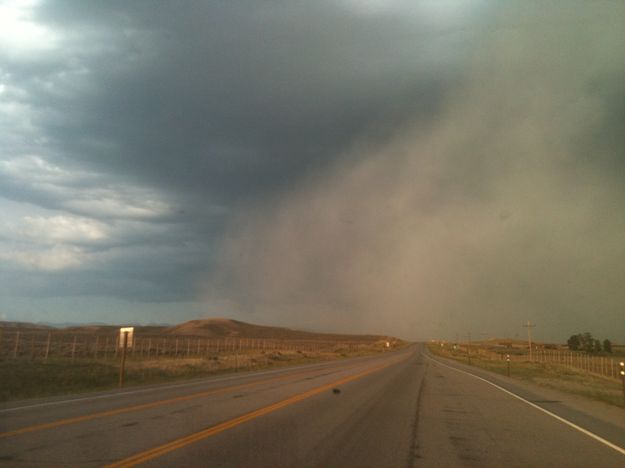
227 328
14 326
207 328
87 329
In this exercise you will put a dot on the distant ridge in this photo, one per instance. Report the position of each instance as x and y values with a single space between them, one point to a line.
26 325
228 328
204 328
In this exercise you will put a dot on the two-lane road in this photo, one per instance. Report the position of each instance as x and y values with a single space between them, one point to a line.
393 410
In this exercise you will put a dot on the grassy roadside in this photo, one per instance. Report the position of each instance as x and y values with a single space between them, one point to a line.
548 375
22 379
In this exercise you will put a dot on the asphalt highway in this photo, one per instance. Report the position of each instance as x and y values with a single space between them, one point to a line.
399 409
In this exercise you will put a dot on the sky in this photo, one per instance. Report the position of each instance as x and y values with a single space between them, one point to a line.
425 169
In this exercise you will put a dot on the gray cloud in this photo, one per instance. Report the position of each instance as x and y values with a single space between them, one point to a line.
412 166
181 98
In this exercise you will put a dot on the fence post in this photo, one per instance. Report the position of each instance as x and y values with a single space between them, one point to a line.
622 372
580 360
17 344
95 348
45 356
188 346
73 348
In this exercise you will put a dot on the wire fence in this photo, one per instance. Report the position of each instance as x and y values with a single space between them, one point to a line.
606 366
55 345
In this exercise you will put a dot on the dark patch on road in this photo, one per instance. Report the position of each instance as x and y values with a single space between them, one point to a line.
184 410
240 395
37 447
454 410
336 391
413 453
6 457
130 424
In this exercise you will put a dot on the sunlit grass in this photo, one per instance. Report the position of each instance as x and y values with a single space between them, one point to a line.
22 378
557 377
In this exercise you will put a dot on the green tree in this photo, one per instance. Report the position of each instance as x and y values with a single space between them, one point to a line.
597 346
573 342
607 346
587 342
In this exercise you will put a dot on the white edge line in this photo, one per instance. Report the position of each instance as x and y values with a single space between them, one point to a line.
553 415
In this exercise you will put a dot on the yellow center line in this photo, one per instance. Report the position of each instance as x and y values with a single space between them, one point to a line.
211 431
129 409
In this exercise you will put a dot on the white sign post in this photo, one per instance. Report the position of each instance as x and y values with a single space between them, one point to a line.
125 342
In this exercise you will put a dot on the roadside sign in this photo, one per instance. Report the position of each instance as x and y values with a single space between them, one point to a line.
125 342
122 331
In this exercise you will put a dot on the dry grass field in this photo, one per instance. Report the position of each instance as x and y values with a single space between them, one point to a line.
193 350
558 377
30 379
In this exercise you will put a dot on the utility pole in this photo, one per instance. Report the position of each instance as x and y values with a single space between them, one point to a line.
529 325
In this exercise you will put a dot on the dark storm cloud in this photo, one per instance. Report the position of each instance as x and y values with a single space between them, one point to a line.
232 100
